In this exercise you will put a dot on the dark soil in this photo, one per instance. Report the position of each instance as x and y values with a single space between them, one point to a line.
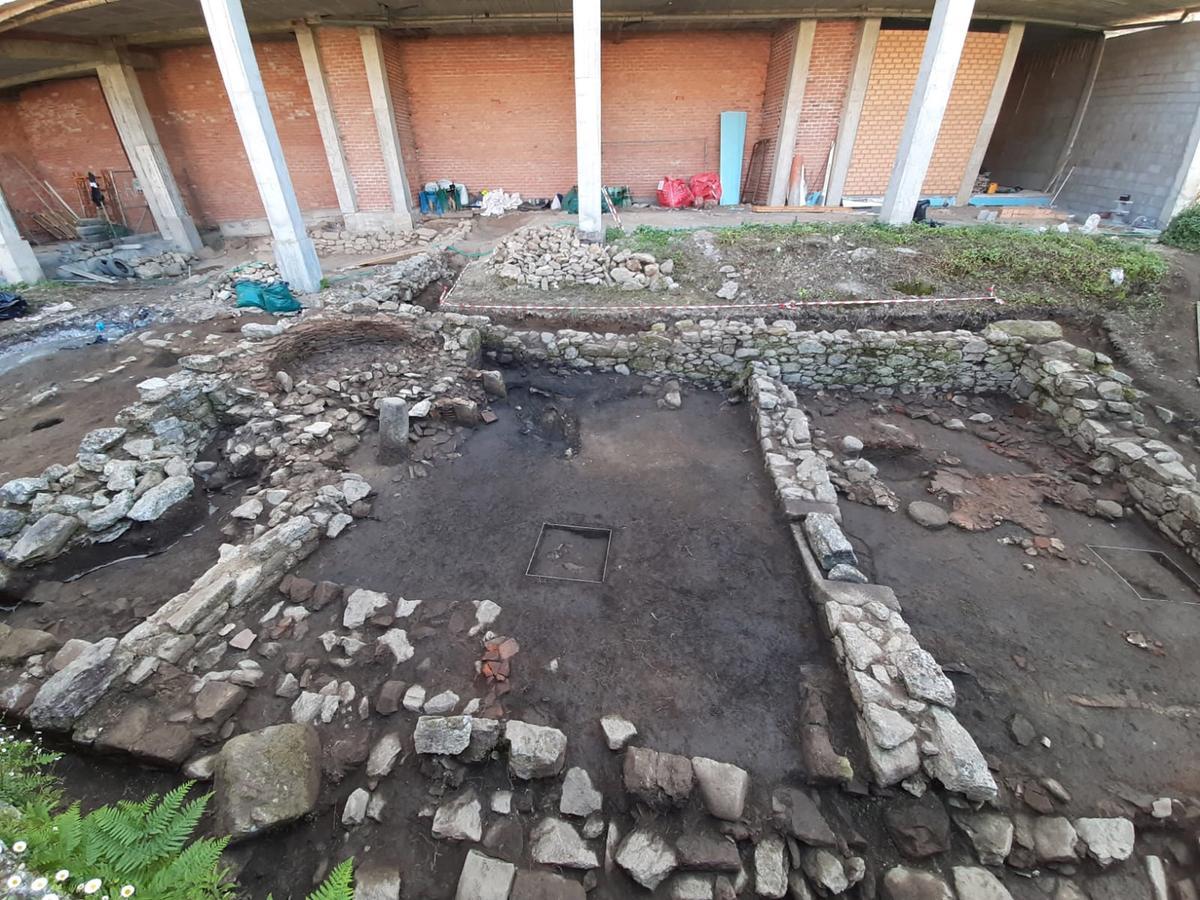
1043 642
78 407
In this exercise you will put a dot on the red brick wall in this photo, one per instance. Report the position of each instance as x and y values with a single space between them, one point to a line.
663 96
893 75
15 147
824 95
499 111
195 123
62 129
393 60
492 112
779 65
346 75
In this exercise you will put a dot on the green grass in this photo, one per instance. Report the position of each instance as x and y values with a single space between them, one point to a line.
1032 268
1184 229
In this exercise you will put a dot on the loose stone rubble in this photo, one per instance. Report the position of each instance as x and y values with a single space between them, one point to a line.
545 257
330 240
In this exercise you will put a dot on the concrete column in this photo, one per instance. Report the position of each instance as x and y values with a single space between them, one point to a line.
939 65
585 18
18 265
856 95
789 115
123 93
385 122
294 250
1186 186
331 138
1016 31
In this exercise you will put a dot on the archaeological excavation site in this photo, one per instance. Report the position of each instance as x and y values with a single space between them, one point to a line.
673 451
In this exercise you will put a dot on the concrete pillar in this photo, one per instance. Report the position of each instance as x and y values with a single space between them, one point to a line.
18 265
789 115
385 122
1012 46
939 65
331 138
123 93
294 252
856 95
585 19
1186 185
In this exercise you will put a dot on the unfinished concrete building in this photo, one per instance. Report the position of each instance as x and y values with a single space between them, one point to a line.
267 117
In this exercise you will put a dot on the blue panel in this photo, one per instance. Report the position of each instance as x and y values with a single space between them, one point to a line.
1029 199
733 149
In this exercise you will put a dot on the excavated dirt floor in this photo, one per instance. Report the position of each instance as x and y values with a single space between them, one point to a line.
1054 637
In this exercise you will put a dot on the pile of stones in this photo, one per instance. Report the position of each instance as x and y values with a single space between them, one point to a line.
547 258
170 264
331 240
265 273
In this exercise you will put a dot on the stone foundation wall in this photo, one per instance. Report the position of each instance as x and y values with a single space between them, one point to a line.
715 352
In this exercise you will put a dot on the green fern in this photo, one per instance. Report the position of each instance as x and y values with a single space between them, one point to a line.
338 886
143 844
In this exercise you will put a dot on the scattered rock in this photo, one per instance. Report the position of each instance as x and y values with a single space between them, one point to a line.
920 828
902 883
646 857
1054 840
770 867
484 878
824 870
384 755
1022 730
545 886
445 736
355 810
579 798
361 605
266 778
17 644
460 818
42 540
72 691
153 504
796 814
707 851
928 515
723 787
978 884
658 779
991 834
535 751
617 731
555 842
1107 840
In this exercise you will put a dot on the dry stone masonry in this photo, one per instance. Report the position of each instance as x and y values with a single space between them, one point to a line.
545 257
279 417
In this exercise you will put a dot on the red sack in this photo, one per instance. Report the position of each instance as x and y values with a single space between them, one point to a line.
674 193
706 186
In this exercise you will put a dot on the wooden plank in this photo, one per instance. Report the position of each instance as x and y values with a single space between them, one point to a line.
799 209
76 269
394 256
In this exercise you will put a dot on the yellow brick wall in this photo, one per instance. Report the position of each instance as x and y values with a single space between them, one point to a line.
893 75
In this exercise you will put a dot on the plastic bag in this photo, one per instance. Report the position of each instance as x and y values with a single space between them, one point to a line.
274 298
12 306
706 186
674 193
